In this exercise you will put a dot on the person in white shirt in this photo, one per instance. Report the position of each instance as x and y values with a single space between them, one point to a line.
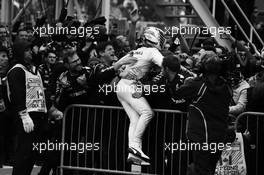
130 96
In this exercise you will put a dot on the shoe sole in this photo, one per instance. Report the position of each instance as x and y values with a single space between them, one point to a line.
137 160
137 154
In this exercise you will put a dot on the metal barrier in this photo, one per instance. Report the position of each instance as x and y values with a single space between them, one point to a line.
98 136
253 131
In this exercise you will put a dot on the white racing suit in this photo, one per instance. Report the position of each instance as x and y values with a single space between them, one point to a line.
137 109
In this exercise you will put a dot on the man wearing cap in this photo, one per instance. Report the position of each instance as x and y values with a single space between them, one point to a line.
209 96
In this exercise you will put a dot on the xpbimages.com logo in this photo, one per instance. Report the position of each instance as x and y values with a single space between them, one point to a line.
81 147
192 30
79 31
183 146
140 88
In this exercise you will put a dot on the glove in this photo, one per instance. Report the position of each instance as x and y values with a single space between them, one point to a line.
27 121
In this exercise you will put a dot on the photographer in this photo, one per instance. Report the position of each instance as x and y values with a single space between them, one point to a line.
208 113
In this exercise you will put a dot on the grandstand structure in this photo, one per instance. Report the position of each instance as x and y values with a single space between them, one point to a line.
171 12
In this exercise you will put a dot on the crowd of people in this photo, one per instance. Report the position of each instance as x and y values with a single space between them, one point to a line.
41 76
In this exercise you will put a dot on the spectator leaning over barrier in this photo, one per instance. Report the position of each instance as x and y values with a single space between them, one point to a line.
26 95
105 58
71 86
183 70
208 113
170 79
103 73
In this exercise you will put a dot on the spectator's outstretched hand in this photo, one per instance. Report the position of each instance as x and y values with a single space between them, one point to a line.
93 54
134 16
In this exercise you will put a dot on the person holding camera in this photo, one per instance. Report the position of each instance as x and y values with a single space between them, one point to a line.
210 96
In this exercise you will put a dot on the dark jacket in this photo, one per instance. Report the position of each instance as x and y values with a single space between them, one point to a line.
163 98
102 72
208 111
69 91
16 80
16 77
3 95
255 97
57 70
102 75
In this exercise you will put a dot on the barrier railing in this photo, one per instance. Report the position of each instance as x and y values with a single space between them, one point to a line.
253 130
98 139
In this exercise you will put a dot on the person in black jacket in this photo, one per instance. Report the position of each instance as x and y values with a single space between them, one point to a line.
27 101
4 117
208 114
168 81
104 73
255 127
71 88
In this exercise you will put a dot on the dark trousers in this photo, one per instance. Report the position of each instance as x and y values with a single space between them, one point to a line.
51 162
204 162
2 139
7 142
52 157
26 154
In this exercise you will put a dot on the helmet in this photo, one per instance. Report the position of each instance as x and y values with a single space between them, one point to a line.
154 37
